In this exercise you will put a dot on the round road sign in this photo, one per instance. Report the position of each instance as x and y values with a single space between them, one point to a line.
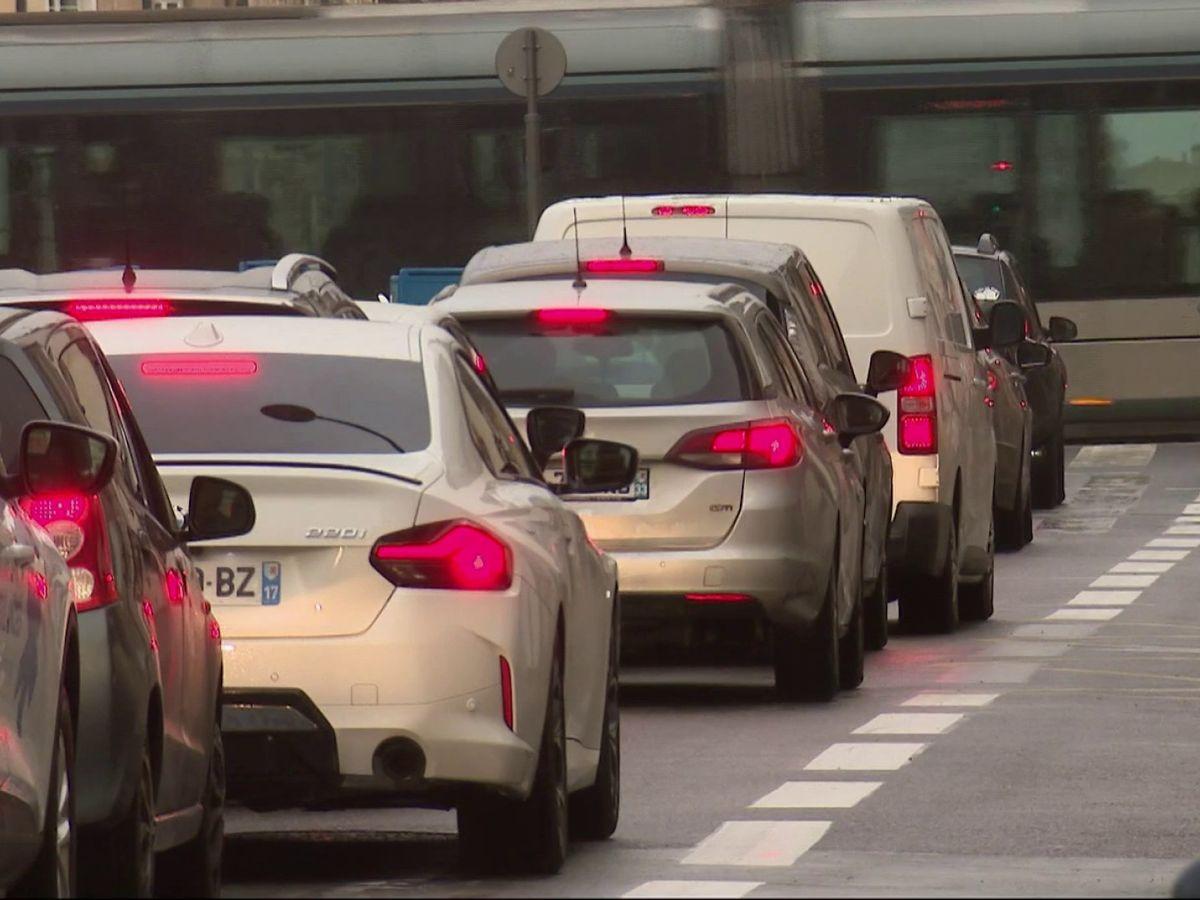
512 61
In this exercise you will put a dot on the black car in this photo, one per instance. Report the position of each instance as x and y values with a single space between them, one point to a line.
992 274
149 768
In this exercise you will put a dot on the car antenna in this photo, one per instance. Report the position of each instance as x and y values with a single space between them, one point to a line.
579 284
624 252
128 277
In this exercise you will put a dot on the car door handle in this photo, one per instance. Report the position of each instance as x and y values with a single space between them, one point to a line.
980 382
17 555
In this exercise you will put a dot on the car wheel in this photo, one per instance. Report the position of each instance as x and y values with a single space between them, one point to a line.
1027 517
1047 475
594 811
53 872
875 613
120 861
1014 527
977 601
194 869
527 836
931 603
851 650
806 665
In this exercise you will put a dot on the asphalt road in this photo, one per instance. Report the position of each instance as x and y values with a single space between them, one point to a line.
1051 751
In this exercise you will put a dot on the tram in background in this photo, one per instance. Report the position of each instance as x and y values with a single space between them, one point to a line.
379 137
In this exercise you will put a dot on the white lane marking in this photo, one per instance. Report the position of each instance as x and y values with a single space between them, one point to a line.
725 890
1183 529
1190 543
865 757
1114 456
1028 649
1059 632
1142 567
1104 598
998 672
1172 555
950 698
757 844
1124 581
818 795
1192 509
910 723
1084 615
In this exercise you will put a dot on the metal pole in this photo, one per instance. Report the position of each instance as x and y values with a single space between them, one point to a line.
533 140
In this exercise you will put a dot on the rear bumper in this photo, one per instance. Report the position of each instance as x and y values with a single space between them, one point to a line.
919 539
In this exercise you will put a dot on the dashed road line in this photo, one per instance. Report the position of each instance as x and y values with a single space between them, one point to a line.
724 890
818 795
1141 568
757 843
1189 543
997 672
1104 598
1056 631
1084 615
949 698
1124 581
1171 555
1028 649
910 723
853 757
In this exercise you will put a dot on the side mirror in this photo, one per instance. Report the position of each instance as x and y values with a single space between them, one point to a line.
1031 355
1062 329
591 466
1005 328
853 415
217 509
886 372
550 429
55 456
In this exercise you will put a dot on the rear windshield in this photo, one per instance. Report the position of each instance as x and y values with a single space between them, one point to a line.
627 361
980 272
184 406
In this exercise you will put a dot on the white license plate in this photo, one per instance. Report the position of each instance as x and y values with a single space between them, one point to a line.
237 584
639 490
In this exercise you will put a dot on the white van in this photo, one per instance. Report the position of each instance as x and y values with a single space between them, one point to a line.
887 266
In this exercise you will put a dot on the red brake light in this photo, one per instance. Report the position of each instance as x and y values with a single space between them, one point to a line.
1002 165
770 444
684 210
622 266
82 540
456 555
917 424
572 315
101 310
199 366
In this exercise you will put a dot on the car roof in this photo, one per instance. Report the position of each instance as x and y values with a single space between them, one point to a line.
399 340
18 325
848 207
750 260
627 295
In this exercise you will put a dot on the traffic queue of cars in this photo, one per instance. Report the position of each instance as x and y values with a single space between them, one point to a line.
427 536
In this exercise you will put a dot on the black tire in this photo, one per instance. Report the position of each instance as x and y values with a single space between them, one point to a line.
119 862
807 665
595 810
194 869
852 650
1048 474
1014 527
931 603
530 836
54 870
875 613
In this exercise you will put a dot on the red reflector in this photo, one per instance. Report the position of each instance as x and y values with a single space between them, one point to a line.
572 315
479 364
506 692
685 210
918 434
47 508
992 381
100 310
447 555
1002 165
176 587
199 367
622 266
718 598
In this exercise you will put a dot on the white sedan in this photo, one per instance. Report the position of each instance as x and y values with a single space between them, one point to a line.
415 614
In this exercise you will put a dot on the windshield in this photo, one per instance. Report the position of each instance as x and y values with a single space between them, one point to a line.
625 362
183 409
980 272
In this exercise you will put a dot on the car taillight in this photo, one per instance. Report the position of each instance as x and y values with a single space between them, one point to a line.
621 266
916 426
185 365
455 555
768 444
102 310
689 209
75 522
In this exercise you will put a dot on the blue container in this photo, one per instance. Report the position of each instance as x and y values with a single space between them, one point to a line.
417 286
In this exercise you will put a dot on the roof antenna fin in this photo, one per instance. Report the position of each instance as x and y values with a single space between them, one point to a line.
579 284
128 277
625 252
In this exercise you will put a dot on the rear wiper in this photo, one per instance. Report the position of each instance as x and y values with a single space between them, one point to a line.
289 412
539 394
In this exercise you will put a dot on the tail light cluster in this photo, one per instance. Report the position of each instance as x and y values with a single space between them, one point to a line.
765 444
75 522
917 424
454 555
